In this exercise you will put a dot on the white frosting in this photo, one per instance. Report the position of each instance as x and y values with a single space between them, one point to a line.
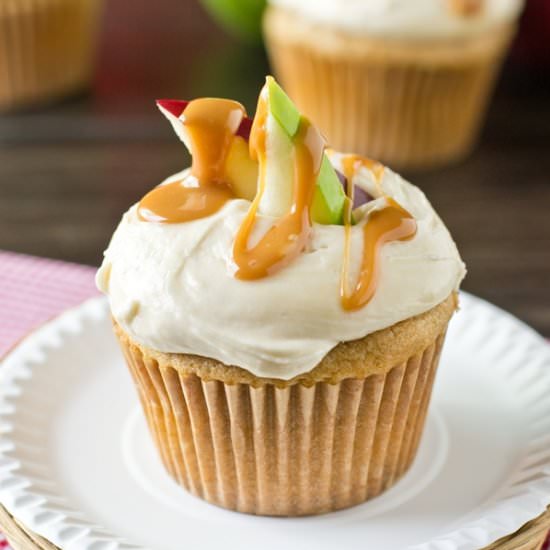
403 18
171 286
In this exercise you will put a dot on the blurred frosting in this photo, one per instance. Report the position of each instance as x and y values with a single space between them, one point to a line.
407 18
171 286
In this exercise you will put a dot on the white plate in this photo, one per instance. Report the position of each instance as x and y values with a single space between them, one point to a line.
77 465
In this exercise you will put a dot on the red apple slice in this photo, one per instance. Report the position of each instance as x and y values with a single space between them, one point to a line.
175 108
244 128
241 170
360 196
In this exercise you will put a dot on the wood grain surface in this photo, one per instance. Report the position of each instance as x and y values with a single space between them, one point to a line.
69 170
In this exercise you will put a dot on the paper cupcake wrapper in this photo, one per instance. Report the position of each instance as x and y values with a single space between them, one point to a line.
287 451
46 48
403 111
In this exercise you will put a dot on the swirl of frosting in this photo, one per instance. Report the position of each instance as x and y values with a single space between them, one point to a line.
172 287
407 18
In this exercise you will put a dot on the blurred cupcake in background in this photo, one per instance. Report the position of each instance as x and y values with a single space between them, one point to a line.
46 49
404 81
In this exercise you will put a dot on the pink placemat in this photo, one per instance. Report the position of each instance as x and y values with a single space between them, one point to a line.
33 290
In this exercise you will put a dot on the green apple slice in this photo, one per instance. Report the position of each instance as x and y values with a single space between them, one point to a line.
282 108
279 170
282 124
329 199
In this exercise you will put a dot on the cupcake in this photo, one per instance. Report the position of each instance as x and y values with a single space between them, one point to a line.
405 81
281 308
46 48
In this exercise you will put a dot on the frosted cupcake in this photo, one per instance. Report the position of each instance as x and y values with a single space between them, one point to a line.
405 81
282 308
47 49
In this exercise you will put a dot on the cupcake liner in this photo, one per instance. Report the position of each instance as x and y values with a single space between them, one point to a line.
406 103
285 451
46 48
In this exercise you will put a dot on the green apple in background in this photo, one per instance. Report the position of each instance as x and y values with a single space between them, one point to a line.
329 198
240 17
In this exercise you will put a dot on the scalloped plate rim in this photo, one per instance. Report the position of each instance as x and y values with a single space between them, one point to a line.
14 365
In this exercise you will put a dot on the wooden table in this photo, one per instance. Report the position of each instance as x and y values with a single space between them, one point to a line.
67 172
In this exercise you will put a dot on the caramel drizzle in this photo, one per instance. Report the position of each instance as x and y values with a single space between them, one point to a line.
211 125
389 224
351 164
288 236
466 8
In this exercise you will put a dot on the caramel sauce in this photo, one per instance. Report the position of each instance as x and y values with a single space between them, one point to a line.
211 125
350 164
177 203
466 8
389 224
288 236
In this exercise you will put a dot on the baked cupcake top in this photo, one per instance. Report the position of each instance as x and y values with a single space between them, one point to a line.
407 18
272 249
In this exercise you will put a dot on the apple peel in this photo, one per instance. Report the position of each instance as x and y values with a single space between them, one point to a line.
173 110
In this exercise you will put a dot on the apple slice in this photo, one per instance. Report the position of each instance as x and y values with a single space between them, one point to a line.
173 106
283 122
279 170
241 170
173 110
170 108
282 125
329 199
283 109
